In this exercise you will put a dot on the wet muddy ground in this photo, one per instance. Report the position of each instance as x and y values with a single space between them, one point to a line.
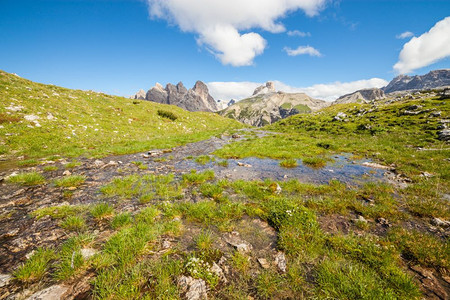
20 233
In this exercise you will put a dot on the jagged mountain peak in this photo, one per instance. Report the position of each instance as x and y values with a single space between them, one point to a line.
195 99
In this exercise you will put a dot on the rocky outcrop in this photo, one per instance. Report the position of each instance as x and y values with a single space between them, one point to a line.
195 99
431 80
269 87
267 106
139 95
361 96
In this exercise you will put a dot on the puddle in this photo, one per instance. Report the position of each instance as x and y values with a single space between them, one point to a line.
342 168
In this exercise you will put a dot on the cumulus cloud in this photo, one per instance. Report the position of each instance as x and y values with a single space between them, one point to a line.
298 33
219 24
327 91
404 35
426 49
303 50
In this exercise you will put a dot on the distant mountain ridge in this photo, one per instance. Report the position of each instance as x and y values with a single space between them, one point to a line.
267 106
361 96
195 99
431 80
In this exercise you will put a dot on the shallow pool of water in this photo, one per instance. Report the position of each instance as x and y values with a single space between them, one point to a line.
342 168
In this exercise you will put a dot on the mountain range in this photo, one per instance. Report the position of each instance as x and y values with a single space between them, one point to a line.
266 105
194 99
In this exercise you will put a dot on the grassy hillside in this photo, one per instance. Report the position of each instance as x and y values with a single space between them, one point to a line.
40 120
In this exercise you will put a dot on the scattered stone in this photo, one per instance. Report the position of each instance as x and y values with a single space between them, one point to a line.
426 175
5 279
218 271
110 164
55 292
67 173
439 222
411 113
11 175
444 135
414 107
359 219
435 114
14 108
155 153
88 252
280 261
145 155
166 244
240 245
376 166
31 117
196 288
98 163
340 116
278 189
263 262
384 222
240 164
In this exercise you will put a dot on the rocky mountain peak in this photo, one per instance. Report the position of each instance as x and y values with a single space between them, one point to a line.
364 95
139 95
431 80
269 87
195 99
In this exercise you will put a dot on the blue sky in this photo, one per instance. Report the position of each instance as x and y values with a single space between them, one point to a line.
120 46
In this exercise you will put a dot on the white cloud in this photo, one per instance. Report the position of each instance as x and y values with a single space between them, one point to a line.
426 49
328 91
303 50
404 35
298 33
219 23
232 90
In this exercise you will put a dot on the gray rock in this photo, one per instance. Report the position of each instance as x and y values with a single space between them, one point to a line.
280 261
140 95
361 96
269 87
55 292
5 279
263 262
439 222
444 135
88 252
195 288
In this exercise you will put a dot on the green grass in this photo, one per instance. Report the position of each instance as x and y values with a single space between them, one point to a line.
50 168
101 210
59 212
195 177
204 240
94 124
74 223
144 188
73 164
314 162
204 159
70 262
289 163
35 268
70 181
121 220
28 179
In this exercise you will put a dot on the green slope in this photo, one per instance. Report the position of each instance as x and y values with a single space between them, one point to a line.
75 122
